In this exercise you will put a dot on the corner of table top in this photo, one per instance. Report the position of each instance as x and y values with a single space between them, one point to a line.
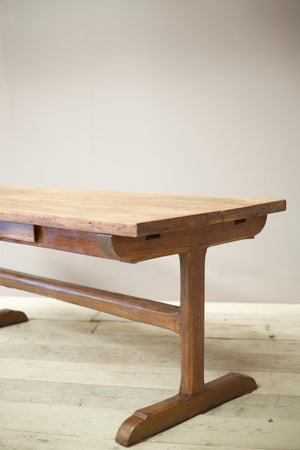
270 206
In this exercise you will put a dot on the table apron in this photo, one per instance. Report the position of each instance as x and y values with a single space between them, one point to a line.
133 249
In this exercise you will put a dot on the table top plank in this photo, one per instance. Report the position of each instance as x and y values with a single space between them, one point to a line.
124 213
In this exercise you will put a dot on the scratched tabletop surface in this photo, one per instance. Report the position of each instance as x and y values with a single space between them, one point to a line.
124 213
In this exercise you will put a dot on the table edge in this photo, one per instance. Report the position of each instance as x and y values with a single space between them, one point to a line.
148 227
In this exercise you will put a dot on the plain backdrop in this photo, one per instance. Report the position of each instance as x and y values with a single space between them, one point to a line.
187 97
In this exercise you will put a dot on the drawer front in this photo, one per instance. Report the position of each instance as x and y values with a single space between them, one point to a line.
17 231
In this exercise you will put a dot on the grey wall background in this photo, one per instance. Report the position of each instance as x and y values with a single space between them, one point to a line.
190 97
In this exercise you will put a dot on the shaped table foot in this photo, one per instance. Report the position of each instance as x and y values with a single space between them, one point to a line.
10 317
148 421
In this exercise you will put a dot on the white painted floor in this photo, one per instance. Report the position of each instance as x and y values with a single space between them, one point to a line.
70 376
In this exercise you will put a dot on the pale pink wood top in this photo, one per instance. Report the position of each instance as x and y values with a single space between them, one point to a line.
124 213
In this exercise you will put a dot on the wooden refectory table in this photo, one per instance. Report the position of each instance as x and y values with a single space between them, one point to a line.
134 227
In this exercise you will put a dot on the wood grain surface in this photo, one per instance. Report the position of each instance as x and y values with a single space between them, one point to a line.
133 250
124 213
68 378
18 231
134 308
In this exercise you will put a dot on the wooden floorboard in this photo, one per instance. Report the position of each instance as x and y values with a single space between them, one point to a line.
70 376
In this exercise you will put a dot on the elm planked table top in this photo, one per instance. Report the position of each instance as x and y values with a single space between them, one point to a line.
124 213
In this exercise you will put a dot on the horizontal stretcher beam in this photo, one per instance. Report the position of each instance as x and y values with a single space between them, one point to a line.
134 308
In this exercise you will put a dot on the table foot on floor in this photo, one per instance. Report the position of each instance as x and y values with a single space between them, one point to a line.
11 317
148 421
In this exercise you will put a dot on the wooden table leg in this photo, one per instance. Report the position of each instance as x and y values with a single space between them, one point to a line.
194 395
10 317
